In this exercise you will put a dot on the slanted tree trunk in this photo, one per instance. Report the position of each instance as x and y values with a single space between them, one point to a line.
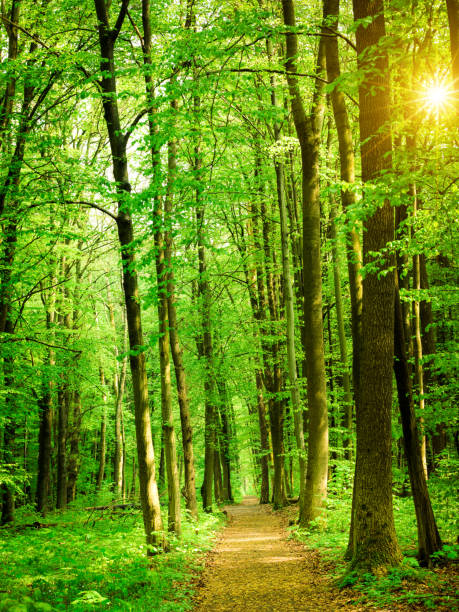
429 540
308 131
375 543
149 497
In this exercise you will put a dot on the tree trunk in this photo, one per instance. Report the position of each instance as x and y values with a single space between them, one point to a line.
73 464
148 487
308 131
348 196
103 434
453 20
289 312
374 540
429 540
46 417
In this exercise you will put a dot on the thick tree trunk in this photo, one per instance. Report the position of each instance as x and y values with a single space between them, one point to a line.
148 487
374 539
308 131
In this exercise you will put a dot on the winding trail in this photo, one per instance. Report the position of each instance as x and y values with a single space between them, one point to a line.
255 567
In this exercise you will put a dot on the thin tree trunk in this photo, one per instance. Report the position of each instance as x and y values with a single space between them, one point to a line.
73 464
102 434
289 311
46 417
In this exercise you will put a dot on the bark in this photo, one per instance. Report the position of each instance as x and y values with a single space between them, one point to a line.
170 445
119 384
46 417
206 353
73 464
253 275
453 20
102 433
429 342
374 540
225 442
7 100
6 492
429 540
308 131
348 197
346 420
148 487
62 410
289 312
271 352
175 349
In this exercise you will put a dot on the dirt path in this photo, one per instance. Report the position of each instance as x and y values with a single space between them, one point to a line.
254 567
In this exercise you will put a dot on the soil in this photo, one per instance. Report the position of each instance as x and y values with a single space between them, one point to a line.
255 567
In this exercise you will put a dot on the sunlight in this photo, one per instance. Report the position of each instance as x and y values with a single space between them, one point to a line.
436 95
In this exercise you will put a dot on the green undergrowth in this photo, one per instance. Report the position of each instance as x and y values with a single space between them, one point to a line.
97 561
407 584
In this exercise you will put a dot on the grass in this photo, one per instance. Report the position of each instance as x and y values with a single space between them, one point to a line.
90 562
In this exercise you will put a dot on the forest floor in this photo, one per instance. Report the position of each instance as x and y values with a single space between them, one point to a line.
255 566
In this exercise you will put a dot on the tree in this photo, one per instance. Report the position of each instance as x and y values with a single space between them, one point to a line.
374 540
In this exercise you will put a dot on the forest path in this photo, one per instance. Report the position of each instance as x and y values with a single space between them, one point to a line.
254 567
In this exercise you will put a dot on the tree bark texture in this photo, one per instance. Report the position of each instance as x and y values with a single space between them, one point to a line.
308 131
146 460
374 539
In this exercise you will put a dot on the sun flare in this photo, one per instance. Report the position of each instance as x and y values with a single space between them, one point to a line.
436 95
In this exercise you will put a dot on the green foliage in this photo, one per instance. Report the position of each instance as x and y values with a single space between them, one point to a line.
93 562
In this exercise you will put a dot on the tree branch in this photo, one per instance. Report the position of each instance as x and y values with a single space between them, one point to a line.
119 22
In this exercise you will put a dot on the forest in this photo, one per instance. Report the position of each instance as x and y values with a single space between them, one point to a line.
229 305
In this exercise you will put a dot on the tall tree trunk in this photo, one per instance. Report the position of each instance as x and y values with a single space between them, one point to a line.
180 377
346 420
46 415
170 448
289 312
453 20
348 196
148 487
429 540
308 131
206 353
374 539
103 433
